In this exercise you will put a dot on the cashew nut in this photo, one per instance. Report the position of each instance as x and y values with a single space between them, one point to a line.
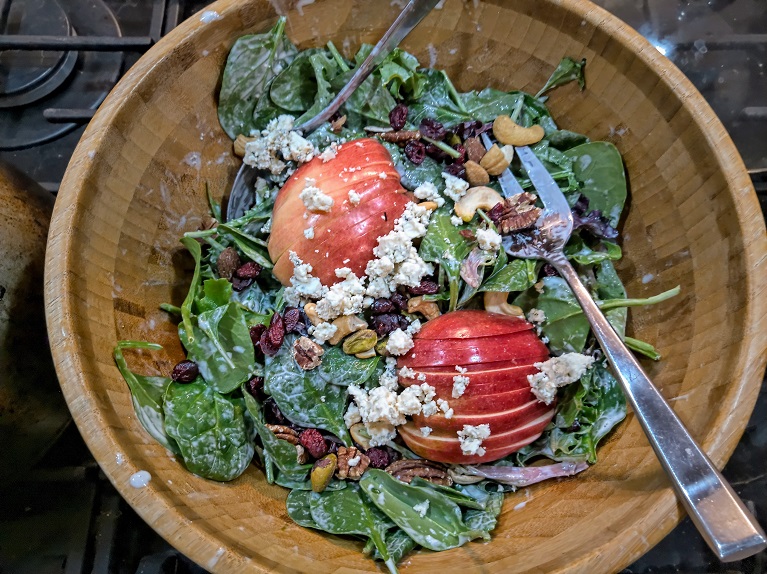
428 309
507 131
345 325
495 160
497 302
480 197
430 205
311 312
239 144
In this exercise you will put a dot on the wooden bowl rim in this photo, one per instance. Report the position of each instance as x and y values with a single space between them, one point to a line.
203 546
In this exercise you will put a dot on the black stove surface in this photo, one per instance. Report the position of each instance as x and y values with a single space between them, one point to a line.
64 516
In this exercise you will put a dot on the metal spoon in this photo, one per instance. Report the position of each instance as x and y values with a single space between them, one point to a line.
242 195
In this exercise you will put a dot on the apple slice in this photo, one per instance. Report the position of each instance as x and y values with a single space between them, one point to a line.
482 382
500 421
471 324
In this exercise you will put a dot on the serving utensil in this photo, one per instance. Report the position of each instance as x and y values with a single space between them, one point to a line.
714 507
242 196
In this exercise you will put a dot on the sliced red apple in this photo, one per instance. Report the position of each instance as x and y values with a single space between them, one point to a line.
480 382
500 421
471 324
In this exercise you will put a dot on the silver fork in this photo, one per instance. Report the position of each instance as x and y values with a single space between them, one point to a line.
718 513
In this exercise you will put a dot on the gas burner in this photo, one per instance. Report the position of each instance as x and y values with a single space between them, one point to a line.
37 82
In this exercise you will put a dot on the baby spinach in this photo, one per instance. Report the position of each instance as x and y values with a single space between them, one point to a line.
347 511
146 394
186 307
609 286
599 168
489 103
460 498
517 275
209 429
216 292
303 396
438 101
252 62
297 504
338 368
577 250
440 528
412 175
398 543
568 70
295 88
399 74
255 300
221 347
253 247
485 519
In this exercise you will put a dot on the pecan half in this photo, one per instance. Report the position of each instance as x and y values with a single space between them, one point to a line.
307 353
351 463
515 213
400 136
284 433
407 469
228 262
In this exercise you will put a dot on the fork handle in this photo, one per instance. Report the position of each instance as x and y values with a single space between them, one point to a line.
719 514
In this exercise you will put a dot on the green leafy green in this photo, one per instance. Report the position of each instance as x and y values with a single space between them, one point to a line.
438 101
147 394
209 429
339 368
399 73
216 292
253 247
577 250
518 275
441 526
252 62
398 543
599 168
568 70
460 498
487 518
303 396
296 87
186 307
298 505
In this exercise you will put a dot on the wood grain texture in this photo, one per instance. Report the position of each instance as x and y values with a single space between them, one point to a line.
132 188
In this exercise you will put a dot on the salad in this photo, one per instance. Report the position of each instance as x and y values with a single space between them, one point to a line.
359 334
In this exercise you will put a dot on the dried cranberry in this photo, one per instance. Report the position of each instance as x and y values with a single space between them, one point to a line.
575 427
549 270
276 330
456 169
496 212
388 322
399 300
432 129
313 441
472 129
255 333
185 372
398 116
273 415
415 151
249 270
462 150
381 306
425 287
240 283
379 458
436 153
255 387
333 447
266 345
294 321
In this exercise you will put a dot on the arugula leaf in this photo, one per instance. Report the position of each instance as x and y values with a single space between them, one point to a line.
599 168
251 64
347 511
568 70
303 396
338 368
399 74
297 504
146 394
209 429
518 275
442 525
186 307
443 244
221 347
586 412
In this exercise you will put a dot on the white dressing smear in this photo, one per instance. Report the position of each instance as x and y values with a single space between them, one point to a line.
140 479
209 16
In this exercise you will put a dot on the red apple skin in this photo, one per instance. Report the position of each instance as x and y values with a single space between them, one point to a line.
377 179
498 353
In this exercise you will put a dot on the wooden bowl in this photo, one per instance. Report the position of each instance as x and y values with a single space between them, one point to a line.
136 182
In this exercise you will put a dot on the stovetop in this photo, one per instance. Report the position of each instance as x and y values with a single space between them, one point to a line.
64 515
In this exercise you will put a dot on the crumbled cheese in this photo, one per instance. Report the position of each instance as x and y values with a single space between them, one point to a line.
277 144
388 378
414 327
379 405
488 239
422 508
352 462
445 408
354 197
304 286
322 332
383 175
421 376
558 372
309 232
536 316
352 415
330 152
407 373
314 198
430 408
455 220
411 400
380 433
471 438
462 370
425 431
460 382
428 192
455 187
399 342
343 298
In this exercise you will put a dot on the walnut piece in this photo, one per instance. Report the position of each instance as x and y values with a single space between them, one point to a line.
351 463
407 469
515 213
284 433
307 353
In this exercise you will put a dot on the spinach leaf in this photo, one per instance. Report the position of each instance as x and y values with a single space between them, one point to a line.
487 518
304 397
438 101
338 368
399 74
441 527
222 348
565 139
253 247
146 394
297 503
599 168
568 70
251 64
460 498
597 403
412 175
186 307
209 429
398 543
518 275
277 451
577 250
255 299
443 244
610 287
216 292
295 88
347 511
488 104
